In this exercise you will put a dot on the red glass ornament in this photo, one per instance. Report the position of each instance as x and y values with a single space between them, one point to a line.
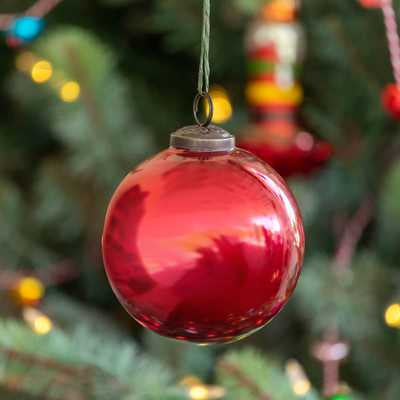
203 247
371 3
391 100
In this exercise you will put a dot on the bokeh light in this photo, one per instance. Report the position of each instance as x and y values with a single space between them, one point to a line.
40 323
42 71
392 315
301 385
199 392
223 109
304 141
70 91
30 290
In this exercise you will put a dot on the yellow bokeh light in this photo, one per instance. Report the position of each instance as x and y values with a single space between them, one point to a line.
30 290
301 387
392 316
70 91
25 61
298 379
190 380
222 110
41 71
198 392
222 105
40 323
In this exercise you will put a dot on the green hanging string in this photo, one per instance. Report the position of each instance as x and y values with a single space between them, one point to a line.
204 70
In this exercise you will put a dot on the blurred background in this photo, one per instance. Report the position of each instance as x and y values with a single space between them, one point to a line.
98 89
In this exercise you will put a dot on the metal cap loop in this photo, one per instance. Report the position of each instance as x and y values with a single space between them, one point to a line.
197 99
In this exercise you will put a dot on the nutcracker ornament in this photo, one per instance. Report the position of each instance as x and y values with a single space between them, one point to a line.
275 46
203 242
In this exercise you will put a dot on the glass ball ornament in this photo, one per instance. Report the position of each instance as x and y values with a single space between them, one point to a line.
204 242
391 100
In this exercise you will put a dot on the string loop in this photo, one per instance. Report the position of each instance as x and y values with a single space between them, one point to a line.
203 84
210 109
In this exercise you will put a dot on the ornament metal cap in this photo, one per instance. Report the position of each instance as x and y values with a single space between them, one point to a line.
203 139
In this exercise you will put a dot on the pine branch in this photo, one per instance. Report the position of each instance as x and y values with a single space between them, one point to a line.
62 377
89 101
11 394
52 275
354 58
42 7
350 238
97 365
47 363
352 234
244 380
5 21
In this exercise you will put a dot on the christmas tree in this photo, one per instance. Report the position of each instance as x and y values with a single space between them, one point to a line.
93 88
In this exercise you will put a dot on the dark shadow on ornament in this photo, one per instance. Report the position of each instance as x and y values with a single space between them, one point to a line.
131 278
205 316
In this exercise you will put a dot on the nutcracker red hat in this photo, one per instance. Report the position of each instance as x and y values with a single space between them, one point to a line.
281 10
